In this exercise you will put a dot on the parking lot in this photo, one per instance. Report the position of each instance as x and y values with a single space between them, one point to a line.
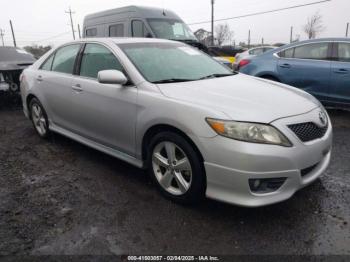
60 197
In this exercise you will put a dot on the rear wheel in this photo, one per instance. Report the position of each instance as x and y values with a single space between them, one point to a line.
176 168
39 118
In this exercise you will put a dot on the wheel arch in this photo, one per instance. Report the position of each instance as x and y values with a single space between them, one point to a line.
28 99
158 128
270 76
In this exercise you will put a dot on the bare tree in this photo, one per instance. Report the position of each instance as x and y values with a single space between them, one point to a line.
314 25
223 33
203 36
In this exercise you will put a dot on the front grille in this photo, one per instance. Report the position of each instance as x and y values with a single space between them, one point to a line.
308 131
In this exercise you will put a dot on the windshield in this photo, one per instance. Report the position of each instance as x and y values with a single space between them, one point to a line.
171 29
172 62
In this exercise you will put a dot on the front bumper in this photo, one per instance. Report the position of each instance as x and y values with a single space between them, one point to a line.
229 165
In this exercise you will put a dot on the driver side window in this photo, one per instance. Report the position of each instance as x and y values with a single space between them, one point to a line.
97 58
139 29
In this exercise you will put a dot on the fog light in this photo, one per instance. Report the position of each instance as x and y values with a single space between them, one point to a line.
256 183
266 185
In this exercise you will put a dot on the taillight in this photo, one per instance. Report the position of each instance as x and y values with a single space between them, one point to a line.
243 63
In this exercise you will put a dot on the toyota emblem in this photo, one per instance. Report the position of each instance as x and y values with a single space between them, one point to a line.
323 118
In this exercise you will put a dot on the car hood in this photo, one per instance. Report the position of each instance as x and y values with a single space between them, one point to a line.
243 98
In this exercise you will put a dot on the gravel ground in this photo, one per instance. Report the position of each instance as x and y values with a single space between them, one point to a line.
60 197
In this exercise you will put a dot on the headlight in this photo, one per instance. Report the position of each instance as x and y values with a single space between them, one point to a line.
249 132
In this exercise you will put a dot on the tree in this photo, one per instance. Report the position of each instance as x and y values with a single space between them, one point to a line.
37 51
314 25
203 36
223 33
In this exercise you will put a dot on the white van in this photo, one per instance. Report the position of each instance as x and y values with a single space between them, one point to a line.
150 22
136 21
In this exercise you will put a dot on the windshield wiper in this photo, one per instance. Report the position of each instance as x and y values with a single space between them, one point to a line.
216 76
172 80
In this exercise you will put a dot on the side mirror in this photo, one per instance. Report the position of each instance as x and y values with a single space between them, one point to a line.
111 77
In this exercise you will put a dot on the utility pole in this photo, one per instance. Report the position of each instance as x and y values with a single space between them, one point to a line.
2 36
347 30
262 41
13 35
248 38
212 22
71 20
291 34
79 31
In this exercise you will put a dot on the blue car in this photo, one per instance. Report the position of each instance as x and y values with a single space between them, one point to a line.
320 67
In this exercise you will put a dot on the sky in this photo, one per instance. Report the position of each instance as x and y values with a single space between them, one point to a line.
45 22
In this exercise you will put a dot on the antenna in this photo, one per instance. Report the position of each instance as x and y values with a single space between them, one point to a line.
163 8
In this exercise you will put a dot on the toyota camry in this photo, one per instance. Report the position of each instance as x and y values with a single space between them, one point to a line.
198 128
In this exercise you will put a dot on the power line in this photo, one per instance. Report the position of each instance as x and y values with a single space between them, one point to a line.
52 37
71 21
263 12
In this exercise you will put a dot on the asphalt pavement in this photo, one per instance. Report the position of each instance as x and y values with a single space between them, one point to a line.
60 197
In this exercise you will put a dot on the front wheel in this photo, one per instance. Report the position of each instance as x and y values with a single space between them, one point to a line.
176 168
39 118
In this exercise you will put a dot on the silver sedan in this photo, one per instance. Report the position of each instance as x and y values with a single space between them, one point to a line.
198 128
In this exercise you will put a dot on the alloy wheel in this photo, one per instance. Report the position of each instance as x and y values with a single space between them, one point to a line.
172 168
39 119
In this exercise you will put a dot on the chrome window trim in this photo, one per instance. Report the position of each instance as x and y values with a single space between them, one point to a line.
307 59
329 42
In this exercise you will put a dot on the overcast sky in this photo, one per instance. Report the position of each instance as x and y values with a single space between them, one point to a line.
45 22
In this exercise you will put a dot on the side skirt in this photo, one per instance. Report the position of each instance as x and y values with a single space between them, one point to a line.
110 151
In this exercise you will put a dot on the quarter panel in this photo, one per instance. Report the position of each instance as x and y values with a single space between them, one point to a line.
265 64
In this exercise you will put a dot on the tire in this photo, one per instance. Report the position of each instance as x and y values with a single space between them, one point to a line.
180 177
39 118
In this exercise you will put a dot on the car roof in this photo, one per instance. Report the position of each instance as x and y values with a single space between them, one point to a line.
122 40
135 11
326 39
318 40
263 46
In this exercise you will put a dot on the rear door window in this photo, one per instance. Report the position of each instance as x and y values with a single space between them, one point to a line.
316 51
343 52
288 53
116 30
65 58
97 58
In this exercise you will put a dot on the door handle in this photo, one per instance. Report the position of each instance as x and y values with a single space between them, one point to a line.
39 78
285 66
341 71
77 88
